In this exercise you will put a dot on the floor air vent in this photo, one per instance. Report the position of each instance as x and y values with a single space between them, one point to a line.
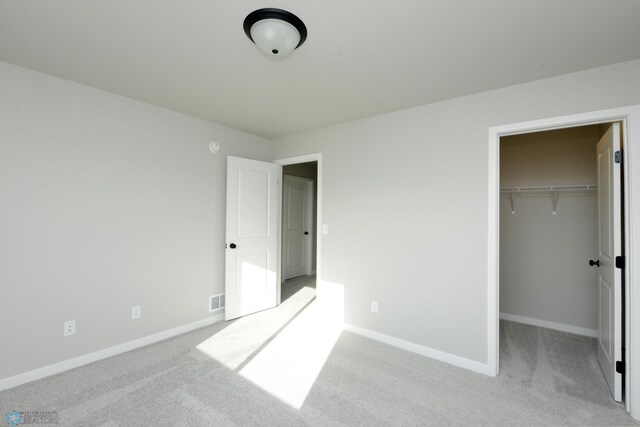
216 302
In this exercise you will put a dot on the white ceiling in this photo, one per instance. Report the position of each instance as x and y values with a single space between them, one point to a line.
362 57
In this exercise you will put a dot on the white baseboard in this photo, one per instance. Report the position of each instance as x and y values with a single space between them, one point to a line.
550 325
85 359
451 359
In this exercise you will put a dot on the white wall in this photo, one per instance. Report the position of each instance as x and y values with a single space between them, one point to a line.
544 272
405 198
107 203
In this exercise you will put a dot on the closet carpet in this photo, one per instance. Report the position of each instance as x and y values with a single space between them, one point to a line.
547 378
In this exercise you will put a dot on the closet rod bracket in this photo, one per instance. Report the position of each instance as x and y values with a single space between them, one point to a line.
513 210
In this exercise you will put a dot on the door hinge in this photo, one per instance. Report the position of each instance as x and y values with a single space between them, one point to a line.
618 156
620 262
620 367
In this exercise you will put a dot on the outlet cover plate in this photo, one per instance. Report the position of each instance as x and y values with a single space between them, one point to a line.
69 328
136 312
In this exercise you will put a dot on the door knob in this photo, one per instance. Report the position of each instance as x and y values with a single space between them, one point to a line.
306 233
232 245
596 263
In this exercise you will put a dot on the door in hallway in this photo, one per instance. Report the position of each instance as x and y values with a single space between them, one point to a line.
297 226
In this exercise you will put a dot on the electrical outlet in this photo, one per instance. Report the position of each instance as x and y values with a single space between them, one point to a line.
136 312
69 328
374 306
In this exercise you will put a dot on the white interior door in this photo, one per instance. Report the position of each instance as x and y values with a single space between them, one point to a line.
297 228
251 256
609 246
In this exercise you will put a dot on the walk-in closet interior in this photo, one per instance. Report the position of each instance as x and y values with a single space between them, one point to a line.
561 311
548 228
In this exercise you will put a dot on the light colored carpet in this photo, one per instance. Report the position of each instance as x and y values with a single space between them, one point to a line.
279 368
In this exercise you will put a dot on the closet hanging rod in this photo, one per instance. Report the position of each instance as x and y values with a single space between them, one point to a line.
551 188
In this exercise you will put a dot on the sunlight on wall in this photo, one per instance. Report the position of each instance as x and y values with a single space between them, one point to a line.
330 299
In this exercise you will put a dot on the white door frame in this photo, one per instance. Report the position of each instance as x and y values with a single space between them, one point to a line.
316 157
630 118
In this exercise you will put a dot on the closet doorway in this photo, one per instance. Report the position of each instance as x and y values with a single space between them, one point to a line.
561 291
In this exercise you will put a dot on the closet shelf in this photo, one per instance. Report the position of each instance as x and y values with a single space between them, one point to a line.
553 189
550 189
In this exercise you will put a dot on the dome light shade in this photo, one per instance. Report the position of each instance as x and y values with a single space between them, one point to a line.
275 32
275 37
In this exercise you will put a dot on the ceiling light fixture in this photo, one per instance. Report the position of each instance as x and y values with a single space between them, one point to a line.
275 32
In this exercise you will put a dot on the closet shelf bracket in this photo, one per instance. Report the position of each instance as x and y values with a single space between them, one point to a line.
513 210
555 191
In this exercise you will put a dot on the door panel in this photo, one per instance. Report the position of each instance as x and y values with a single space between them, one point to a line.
297 220
253 203
295 255
609 246
604 335
252 280
251 236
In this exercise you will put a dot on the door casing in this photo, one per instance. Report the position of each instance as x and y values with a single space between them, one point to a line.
315 157
630 125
